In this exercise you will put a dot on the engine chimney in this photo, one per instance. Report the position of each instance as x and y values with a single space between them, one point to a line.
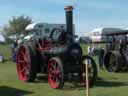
69 20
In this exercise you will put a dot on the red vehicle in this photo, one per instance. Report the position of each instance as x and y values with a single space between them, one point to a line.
56 54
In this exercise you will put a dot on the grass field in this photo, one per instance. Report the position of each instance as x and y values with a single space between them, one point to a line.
108 84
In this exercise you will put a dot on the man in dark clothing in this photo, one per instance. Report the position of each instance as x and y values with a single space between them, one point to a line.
101 57
63 35
14 49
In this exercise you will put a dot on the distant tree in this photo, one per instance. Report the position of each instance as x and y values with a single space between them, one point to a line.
17 24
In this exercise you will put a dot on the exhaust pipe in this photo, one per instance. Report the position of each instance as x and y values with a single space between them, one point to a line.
69 20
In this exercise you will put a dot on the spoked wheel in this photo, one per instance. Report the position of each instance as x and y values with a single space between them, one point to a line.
55 73
92 70
113 63
26 64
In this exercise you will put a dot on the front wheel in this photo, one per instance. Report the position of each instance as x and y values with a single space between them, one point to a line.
92 70
56 73
113 63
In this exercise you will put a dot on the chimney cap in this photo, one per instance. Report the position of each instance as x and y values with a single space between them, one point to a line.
68 8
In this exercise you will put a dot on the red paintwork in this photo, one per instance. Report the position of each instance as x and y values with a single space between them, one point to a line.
23 63
45 46
54 74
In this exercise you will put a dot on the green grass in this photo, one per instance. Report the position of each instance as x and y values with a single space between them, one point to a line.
5 51
108 84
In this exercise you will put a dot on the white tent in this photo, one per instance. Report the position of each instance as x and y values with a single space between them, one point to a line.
98 34
2 39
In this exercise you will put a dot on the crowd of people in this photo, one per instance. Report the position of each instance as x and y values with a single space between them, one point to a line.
92 50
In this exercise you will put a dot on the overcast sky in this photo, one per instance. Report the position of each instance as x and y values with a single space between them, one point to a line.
88 14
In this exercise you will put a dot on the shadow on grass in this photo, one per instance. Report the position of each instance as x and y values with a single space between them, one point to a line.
102 83
42 79
78 86
74 86
9 91
99 83
67 86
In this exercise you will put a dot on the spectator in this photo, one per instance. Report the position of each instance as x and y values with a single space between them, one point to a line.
62 38
93 50
14 49
101 57
62 29
15 44
89 50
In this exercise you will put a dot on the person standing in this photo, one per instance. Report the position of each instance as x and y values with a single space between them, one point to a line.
89 50
14 49
101 57
62 38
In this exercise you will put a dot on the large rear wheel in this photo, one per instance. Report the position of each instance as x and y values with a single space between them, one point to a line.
55 73
26 61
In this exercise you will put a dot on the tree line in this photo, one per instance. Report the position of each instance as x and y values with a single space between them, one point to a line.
17 25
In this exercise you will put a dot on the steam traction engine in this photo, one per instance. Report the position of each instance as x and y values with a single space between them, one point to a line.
57 55
116 57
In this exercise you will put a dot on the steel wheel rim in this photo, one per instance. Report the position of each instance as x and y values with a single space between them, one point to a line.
113 62
54 74
23 63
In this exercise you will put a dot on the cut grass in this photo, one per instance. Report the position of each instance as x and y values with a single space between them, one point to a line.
108 84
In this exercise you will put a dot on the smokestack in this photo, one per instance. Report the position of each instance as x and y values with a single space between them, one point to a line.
69 19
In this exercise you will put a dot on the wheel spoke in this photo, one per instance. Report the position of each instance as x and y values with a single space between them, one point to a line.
26 58
113 62
57 80
54 78
54 65
58 70
21 61
23 69
59 76
22 53
51 71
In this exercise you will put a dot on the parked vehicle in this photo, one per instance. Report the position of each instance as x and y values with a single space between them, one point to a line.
56 54
96 35
116 58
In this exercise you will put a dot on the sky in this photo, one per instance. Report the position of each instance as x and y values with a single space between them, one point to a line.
88 14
